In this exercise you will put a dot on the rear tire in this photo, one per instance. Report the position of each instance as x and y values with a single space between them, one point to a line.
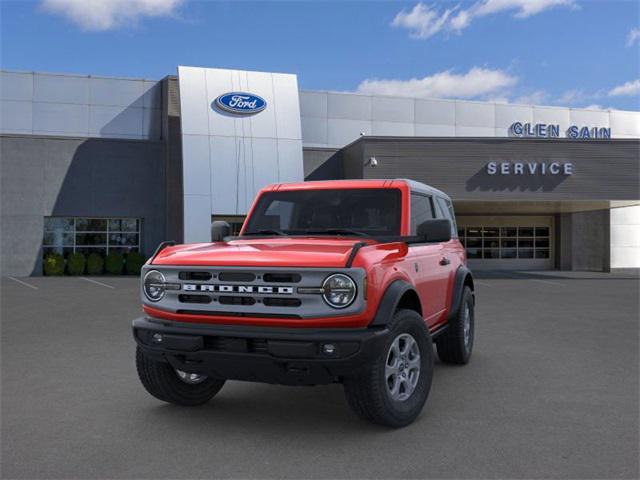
381 393
163 382
456 344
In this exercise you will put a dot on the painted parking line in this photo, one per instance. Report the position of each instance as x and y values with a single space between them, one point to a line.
24 283
98 283
549 282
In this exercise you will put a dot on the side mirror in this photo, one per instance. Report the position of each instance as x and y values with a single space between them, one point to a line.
219 230
438 230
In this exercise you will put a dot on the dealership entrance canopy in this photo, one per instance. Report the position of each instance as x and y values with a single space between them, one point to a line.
95 164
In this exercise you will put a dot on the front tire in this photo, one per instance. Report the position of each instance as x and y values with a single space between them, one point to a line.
392 390
456 344
173 386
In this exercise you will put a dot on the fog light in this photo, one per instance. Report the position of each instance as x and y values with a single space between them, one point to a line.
157 338
329 348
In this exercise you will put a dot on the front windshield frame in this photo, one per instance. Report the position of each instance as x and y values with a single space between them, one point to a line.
382 219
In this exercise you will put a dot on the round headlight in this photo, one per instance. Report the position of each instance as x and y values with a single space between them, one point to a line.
339 290
153 285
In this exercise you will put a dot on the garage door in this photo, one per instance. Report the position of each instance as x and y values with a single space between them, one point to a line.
508 243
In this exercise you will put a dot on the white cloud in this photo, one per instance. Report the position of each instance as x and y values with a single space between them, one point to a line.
538 97
475 83
629 88
595 106
100 15
423 21
633 36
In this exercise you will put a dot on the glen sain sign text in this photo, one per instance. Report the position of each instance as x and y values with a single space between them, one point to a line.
546 130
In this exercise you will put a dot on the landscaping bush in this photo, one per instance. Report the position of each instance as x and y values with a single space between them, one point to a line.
53 264
133 263
95 264
113 263
76 263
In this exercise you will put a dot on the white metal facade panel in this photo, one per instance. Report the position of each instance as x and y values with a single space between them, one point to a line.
80 106
239 154
625 237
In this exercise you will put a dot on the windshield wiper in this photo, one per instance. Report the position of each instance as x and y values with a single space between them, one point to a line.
266 231
336 231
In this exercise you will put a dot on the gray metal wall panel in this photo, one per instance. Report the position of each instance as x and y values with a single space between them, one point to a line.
44 176
603 170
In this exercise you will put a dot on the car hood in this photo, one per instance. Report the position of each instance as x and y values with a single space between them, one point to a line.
269 252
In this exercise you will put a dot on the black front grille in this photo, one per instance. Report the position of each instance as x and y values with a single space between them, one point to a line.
194 298
282 277
282 302
228 300
195 276
236 277
210 313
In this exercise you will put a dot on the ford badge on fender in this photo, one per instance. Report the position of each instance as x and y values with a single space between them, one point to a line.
240 103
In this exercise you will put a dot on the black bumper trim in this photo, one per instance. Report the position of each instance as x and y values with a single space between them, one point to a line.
265 354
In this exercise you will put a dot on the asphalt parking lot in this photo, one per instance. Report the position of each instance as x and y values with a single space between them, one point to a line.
551 392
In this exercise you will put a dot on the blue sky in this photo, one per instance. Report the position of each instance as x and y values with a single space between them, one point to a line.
559 52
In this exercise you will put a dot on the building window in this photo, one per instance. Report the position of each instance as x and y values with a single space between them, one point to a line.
65 235
234 221
506 242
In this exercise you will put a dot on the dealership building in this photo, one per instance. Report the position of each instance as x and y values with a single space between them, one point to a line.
106 164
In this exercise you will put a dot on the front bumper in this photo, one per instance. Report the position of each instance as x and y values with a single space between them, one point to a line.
261 354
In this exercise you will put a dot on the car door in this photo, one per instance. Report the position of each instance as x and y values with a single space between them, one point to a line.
452 253
430 275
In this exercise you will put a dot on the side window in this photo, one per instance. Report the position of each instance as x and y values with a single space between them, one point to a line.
421 210
445 210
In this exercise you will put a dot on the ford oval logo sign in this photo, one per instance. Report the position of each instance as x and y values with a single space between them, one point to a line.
240 103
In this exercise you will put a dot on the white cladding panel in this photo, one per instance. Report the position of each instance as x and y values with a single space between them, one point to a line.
80 106
238 153
333 119
625 237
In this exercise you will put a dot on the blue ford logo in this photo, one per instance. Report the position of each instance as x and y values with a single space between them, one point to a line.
240 103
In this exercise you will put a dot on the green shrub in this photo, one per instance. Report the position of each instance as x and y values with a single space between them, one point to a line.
95 264
134 262
76 263
53 264
113 263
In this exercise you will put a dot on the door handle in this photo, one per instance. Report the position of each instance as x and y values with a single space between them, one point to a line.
444 261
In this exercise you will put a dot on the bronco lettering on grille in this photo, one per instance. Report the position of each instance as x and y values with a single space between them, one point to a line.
192 287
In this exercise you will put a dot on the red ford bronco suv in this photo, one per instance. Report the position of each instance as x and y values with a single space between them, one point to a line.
344 281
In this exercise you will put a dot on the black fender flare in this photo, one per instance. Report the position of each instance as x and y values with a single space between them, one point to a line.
462 277
390 300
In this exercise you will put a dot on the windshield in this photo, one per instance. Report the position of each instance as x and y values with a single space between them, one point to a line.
358 212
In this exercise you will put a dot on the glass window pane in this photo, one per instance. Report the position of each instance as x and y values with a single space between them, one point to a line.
525 231
508 231
48 250
491 253
58 223
461 232
118 239
508 253
525 253
491 243
91 225
474 232
525 243
490 232
57 238
87 250
91 239
542 231
420 211
508 243
474 253
544 253
123 250
474 242
542 242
